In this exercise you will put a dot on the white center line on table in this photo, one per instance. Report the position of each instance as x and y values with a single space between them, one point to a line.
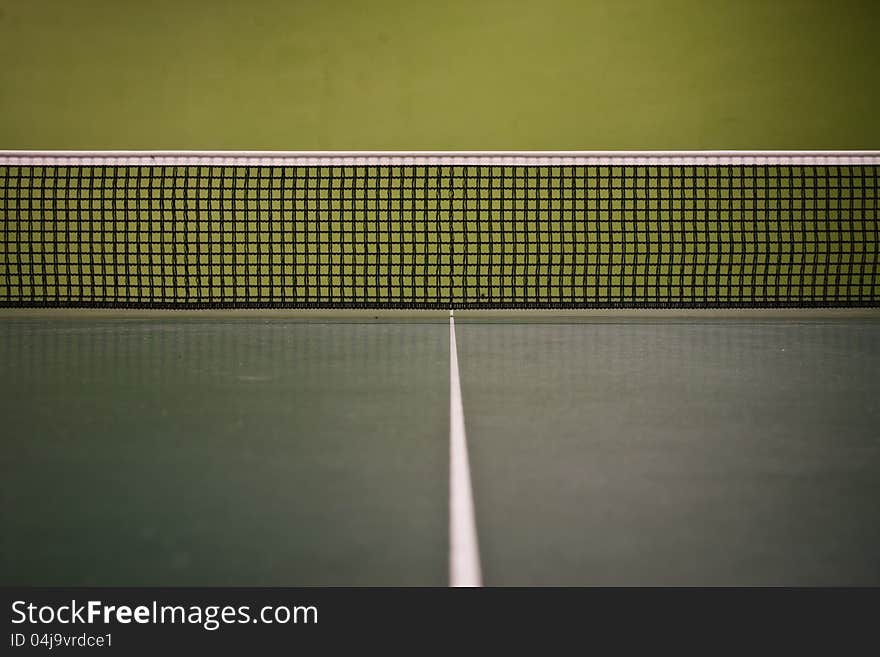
464 551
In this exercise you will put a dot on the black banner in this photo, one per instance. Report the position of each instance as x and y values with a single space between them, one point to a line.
154 620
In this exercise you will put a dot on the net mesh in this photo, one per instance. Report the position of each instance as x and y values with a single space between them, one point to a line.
563 233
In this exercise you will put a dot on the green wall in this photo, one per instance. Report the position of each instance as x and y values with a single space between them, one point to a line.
447 74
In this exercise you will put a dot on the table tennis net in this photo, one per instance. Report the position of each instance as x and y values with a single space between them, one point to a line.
583 230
